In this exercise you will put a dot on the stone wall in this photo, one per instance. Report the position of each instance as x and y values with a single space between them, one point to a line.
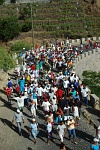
89 61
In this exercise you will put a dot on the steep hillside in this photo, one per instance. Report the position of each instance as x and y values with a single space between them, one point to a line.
92 7
58 18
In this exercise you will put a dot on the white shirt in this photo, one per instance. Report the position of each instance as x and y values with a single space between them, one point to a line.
49 127
54 102
46 106
32 77
75 113
20 101
71 78
39 91
66 83
61 128
84 92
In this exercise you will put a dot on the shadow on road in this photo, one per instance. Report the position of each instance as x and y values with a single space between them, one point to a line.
83 135
40 115
2 91
7 105
93 111
13 127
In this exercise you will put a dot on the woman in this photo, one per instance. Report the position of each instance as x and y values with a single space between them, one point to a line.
33 108
95 145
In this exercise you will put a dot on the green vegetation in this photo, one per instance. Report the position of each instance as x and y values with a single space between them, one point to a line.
6 60
18 46
2 1
56 19
9 28
92 80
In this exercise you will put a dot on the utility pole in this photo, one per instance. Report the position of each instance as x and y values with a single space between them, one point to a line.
32 26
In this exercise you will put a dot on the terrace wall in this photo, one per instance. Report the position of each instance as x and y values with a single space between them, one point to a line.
89 61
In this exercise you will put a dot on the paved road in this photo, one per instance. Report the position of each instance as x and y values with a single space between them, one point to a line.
10 140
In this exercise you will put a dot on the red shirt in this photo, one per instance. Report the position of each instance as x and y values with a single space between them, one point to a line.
33 67
59 93
8 91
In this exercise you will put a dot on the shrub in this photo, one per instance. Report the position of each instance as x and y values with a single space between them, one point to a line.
91 79
2 1
6 60
9 28
26 27
18 46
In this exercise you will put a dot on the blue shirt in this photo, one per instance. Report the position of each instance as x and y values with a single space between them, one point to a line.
34 127
94 147
34 96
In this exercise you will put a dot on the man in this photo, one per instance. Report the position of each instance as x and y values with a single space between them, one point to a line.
84 92
8 93
39 91
20 101
59 94
71 129
18 117
66 85
9 83
61 129
34 130
46 106
54 103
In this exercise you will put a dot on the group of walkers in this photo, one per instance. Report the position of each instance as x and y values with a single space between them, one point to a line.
46 80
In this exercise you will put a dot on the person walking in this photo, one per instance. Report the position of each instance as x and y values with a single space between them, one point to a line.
49 131
34 130
33 109
18 117
61 129
95 145
71 129
8 91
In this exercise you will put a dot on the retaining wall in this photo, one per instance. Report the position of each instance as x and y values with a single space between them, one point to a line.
89 61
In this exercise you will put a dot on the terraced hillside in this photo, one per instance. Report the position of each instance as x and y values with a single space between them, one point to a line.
59 18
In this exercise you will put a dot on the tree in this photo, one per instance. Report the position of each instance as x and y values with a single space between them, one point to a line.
2 1
9 28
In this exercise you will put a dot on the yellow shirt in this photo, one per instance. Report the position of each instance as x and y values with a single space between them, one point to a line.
70 124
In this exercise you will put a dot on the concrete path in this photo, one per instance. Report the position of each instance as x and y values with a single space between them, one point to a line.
10 140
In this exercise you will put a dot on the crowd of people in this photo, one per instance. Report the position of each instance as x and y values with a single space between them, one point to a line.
46 80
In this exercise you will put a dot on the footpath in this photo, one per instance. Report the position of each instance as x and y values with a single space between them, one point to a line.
9 139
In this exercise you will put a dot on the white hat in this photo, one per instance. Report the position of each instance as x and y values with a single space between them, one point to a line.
95 140
18 111
33 119
54 96
98 127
